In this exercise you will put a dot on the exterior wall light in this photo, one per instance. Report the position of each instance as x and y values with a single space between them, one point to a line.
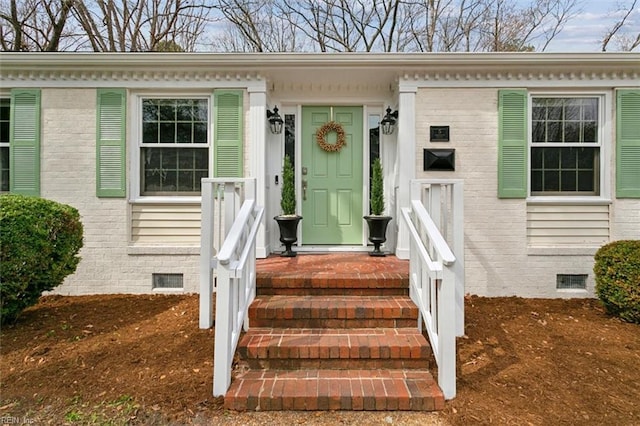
275 121
388 123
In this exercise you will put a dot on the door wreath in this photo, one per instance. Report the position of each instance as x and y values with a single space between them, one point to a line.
327 128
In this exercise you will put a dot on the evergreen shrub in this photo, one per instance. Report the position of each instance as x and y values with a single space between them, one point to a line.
377 189
288 199
617 272
39 244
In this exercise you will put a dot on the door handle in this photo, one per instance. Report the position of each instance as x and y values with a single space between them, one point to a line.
304 189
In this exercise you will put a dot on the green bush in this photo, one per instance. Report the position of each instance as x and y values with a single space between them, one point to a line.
288 200
39 244
377 189
617 271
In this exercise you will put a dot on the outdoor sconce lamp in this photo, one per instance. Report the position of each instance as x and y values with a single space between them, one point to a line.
388 123
275 121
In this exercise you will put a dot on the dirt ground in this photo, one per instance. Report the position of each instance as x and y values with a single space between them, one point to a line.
122 359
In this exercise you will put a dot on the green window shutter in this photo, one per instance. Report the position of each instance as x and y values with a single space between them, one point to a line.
228 130
628 144
110 143
512 144
24 142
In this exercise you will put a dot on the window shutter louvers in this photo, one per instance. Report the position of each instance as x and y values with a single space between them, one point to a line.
628 144
228 130
512 144
24 142
110 146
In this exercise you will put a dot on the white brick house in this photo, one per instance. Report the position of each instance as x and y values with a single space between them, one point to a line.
548 147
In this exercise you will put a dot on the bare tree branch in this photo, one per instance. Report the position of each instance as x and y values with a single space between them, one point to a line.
611 34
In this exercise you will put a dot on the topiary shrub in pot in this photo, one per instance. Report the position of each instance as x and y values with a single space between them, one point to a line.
39 244
288 220
617 272
376 221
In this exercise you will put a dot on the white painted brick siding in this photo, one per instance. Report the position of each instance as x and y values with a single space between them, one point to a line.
69 176
498 259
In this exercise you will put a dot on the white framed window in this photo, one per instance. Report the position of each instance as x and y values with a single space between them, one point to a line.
5 120
173 134
566 140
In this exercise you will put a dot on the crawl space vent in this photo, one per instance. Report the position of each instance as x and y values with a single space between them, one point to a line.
571 282
167 281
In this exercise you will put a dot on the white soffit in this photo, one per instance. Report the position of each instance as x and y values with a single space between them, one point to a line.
291 71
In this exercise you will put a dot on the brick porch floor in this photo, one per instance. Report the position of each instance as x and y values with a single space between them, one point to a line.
333 331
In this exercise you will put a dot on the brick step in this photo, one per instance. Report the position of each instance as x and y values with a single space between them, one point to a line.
333 312
335 390
334 348
323 283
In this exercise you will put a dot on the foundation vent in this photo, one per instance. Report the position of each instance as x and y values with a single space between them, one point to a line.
571 281
167 281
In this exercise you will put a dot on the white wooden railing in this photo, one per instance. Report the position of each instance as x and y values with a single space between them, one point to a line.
234 262
435 223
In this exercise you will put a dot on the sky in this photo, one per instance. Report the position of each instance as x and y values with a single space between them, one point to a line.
584 33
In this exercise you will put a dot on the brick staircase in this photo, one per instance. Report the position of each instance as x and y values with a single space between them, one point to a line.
333 332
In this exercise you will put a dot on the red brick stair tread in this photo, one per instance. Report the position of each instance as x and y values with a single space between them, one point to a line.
335 390
368 343
337 307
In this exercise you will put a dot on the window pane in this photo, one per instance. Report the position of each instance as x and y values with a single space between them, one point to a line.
150 133
538 113
4 168
4 132
173 170
568 180
183 133
200 110
551 158
572 110
290 136
186 181
167 133
554 112
536 158
169 158
149 110
152 181
184 111
170 181
590 109
536 181
5 114
554 131
539 134
568 158
586 181
167 110
590 131
572 131
200 133
551 181
587 157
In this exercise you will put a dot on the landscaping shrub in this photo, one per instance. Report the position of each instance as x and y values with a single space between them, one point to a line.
617 271
39 244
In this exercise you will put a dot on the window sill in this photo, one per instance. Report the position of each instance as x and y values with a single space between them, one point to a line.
569 200
167 200
163 250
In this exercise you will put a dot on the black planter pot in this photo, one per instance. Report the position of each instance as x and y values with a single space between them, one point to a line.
377 232
288 233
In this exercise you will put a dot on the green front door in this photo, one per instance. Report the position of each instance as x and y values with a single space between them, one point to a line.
332 181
